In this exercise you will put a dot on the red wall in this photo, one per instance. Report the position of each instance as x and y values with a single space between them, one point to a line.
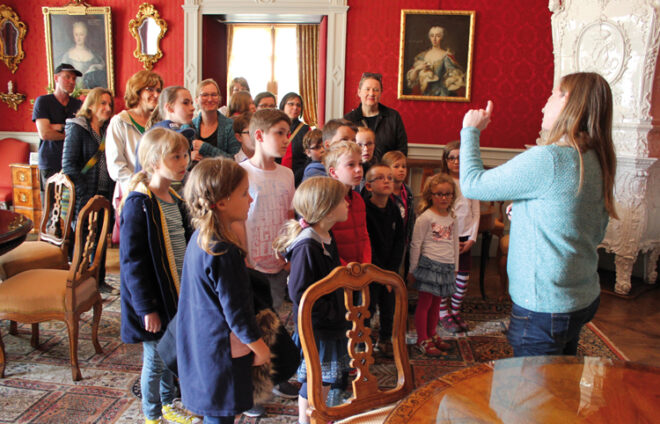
512 65
31 77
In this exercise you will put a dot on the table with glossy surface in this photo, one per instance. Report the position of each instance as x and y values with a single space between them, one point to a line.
13 229
550 389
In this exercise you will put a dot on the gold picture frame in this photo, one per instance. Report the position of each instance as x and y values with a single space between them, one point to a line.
12 33
435 55
148 29
81 36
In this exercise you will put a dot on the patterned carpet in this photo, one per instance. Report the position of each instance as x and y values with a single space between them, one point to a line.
38 386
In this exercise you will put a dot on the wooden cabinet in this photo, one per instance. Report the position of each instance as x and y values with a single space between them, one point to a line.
27 192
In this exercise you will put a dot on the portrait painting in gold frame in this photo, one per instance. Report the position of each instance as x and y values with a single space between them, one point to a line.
81 36
435 55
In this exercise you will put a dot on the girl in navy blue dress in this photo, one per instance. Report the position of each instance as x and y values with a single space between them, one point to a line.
311 250
218 340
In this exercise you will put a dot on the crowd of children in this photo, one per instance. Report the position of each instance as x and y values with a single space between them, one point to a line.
248 217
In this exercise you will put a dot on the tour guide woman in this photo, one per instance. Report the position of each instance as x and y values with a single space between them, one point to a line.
562 199
385 122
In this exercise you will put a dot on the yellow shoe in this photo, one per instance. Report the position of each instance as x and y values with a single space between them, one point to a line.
156 421
174 415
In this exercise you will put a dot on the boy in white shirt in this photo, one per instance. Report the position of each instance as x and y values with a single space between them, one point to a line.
272 188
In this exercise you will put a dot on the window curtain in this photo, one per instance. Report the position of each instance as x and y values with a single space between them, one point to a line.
230 43
308 56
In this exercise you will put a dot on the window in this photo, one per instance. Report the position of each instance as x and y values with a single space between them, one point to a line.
264 53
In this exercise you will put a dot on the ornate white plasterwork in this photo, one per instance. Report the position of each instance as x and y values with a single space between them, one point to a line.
620 40
335 10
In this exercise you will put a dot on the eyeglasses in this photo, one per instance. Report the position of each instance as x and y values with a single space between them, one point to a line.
367 145
367 75
453 159
318 146
293 104
382 177
207 95
443 195
245 132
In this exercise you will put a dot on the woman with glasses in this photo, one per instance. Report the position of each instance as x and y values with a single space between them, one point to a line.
562 194
384 121
215 134
295 157
435 72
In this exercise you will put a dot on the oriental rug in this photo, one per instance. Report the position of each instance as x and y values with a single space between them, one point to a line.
37 387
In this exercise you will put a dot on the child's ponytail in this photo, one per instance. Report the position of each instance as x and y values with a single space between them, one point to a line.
211 180
313 200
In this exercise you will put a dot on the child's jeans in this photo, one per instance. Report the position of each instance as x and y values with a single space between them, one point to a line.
156 382
219 420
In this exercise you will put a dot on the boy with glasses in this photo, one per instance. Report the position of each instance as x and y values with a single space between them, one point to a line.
387 237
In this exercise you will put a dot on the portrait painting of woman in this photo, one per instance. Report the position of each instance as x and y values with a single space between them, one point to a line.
436 47
81 36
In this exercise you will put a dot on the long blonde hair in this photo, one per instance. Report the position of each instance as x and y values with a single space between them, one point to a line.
211 180
93 98
427 193
314 199
585 123
155 144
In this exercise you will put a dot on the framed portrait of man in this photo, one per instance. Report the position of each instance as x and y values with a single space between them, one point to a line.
82 37
435 55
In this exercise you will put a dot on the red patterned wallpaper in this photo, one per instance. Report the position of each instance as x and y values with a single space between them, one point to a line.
512 65
31 77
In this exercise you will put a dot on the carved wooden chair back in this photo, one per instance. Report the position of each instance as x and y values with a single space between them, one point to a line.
367 395
60 200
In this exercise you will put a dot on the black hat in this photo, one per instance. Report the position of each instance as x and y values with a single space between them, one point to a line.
66 67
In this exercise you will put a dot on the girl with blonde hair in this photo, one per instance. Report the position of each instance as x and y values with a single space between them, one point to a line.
434 259
309 247
563 197
217 339
154 231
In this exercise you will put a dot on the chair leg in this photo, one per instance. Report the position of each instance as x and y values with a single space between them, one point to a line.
2 358
34 340
72 326
98 308
13 328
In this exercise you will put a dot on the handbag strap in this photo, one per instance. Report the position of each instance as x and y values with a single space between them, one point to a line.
298 128
94 159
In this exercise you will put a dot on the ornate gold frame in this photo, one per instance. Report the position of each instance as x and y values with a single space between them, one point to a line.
146 11
79 8
8 14
460 21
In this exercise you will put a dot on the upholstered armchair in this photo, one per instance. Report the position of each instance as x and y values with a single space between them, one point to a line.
38 295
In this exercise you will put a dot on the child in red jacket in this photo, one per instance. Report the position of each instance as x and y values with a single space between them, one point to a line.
343 163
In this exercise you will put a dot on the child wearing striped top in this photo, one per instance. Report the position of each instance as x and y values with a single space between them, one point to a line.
154 232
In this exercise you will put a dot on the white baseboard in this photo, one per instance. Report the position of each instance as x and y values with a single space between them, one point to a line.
492 156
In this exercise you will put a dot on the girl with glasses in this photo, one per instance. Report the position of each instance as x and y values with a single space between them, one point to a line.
433 259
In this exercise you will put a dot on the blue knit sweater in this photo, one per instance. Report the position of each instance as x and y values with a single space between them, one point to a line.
555 230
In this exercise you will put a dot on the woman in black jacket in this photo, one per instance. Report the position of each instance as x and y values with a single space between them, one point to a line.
384 121
83 157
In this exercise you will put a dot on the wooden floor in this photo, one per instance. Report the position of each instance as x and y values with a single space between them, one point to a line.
632 325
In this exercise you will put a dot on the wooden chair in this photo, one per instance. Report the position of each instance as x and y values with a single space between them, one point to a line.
51 250
367 395
40 295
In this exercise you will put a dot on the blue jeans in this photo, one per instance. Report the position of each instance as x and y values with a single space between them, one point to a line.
219 420
542 333
156 382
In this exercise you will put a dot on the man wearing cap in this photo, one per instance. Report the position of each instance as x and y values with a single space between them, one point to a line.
49 114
